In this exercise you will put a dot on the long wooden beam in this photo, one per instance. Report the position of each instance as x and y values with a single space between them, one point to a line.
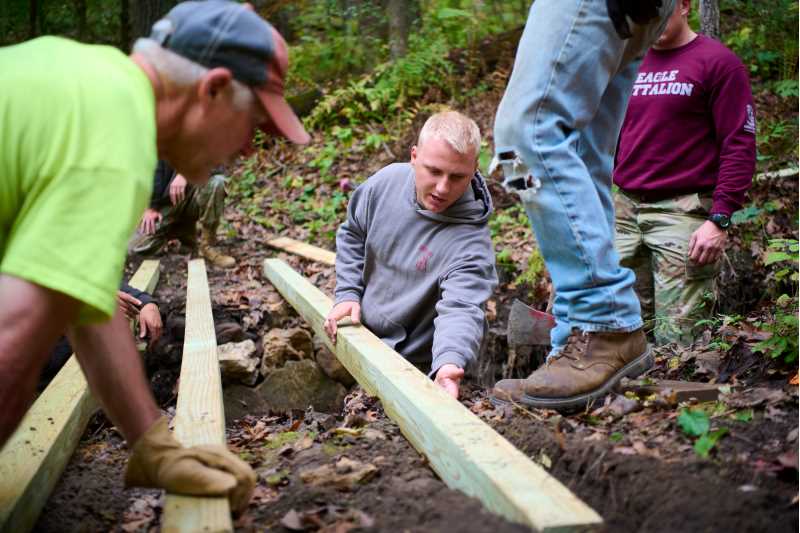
199 415
304 250
777 174
32 460
466 453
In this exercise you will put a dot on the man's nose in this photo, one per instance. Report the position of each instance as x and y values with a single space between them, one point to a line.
443 186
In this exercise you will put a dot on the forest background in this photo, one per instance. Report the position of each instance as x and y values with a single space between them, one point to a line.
365 73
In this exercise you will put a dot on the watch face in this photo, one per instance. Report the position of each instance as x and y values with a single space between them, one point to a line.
723 221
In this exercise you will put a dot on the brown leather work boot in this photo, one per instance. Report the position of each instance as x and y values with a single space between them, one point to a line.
211 253
586 368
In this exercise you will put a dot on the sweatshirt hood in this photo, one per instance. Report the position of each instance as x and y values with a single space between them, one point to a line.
474 206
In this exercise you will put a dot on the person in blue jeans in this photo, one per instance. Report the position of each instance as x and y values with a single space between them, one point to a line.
555 134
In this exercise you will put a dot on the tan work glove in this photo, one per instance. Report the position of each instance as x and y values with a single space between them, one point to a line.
159 461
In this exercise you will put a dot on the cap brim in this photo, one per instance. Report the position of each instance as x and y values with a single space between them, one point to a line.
282 116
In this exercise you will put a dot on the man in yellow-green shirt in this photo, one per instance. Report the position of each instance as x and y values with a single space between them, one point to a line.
82 128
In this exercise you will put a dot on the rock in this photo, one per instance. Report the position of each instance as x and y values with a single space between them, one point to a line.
343 475
300 384
229 332
329 364
277 308
238 363
281 345
240 400
175 327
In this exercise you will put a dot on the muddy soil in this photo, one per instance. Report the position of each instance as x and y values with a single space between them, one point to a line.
315 471
646 483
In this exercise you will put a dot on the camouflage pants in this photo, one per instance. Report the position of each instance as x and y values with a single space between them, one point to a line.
652 239
201 204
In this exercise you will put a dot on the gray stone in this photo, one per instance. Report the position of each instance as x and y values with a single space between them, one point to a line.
240 400
282 345
300 384
237 362
330 364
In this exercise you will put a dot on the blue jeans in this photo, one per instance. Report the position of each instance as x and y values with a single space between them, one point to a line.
561 114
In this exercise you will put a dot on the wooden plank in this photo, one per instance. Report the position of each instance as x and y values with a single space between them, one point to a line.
466 453
678 391
199 415
304 250
33 459
777 174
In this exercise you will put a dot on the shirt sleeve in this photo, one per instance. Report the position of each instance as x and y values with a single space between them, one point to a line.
351 242
142 296
161 180
460 324
735 124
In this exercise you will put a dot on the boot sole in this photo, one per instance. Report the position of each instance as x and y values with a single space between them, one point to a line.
632 370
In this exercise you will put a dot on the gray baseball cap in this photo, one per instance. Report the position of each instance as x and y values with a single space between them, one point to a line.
222 33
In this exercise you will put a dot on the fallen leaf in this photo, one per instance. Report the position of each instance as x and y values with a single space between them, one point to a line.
755 396
788 459
292 521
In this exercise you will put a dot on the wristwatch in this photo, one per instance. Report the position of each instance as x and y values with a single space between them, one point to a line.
722 221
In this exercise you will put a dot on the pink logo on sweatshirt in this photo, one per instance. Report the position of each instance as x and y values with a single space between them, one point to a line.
424 255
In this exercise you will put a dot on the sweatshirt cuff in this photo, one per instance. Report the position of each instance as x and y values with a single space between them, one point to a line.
452 358
347 296
724 207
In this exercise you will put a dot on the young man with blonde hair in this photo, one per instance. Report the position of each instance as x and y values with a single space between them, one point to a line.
414 260
83 126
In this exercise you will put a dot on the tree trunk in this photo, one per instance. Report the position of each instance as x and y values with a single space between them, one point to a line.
709 18
33 18
80 11
399 13
124 26
145 13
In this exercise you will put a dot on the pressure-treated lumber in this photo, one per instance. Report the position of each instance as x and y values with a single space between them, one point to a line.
304 250
33 459
777 174
199 415
466 453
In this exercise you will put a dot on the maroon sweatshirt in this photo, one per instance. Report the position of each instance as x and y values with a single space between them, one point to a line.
690 127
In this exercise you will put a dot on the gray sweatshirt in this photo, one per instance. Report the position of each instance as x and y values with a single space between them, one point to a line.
422 278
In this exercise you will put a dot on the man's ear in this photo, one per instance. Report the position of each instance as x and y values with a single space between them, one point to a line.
413 153
214 83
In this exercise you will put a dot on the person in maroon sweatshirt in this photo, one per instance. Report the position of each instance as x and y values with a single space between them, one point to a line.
684 163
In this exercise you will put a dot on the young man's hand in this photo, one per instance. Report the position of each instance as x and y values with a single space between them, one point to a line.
150 220
128 304
339 311
150 323
707 243
177 189
448 377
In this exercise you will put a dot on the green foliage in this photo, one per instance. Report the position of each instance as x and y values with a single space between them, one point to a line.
386 90
707 441
505 261
535 270
764 36
782 256
693 422
334 40
696 423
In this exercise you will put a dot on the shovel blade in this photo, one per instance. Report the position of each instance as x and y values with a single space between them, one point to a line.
528 326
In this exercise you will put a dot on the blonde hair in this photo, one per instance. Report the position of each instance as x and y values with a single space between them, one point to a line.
184 73
459 131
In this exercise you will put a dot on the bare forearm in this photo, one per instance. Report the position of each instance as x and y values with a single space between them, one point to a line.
112 366
31 319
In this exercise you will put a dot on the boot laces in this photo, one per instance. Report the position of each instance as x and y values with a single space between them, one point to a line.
576 344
